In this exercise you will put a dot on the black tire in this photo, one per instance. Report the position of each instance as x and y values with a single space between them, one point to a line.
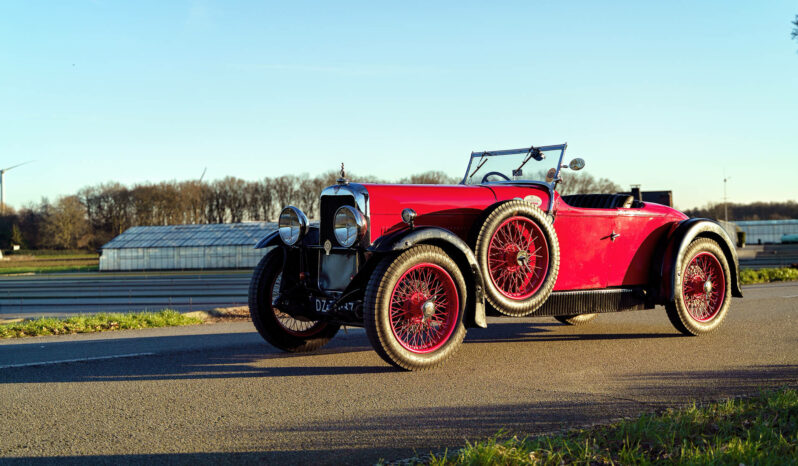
695 311
540 278
396 315
280 329
577 319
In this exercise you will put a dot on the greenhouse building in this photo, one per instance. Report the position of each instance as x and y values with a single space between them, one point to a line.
186 247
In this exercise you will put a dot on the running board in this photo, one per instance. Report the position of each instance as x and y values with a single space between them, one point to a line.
566 303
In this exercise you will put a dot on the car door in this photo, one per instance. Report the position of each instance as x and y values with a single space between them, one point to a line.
584 236
635 235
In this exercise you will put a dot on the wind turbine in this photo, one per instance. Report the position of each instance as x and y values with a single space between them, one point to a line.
3 185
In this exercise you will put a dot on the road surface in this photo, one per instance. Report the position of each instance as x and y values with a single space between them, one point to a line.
218 394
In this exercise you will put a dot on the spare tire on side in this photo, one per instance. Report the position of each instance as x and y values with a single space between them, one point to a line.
519 255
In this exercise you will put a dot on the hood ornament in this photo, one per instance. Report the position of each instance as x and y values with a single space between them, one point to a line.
342 180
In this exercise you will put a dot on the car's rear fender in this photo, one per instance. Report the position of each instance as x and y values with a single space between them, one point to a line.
677 242
457 249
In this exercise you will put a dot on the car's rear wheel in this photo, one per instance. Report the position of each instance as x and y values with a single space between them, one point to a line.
703 289
414 306
576 319
517 250
282 330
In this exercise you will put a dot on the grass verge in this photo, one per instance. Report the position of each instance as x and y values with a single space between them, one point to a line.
783 274
758 430
49 263
49 269
96 323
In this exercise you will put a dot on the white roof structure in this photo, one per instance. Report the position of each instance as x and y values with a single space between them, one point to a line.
186 247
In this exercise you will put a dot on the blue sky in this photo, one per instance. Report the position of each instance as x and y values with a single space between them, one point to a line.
664 94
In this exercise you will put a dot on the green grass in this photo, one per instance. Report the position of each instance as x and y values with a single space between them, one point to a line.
759 430
49 269
783 274
49 252
69 261
95 323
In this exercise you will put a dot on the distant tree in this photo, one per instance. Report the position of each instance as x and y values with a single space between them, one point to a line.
308 196
795 29
430 177
192 199
31 223
284 190
16 237
259 204
753 211
66 226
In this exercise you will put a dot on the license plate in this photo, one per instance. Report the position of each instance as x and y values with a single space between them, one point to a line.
324 305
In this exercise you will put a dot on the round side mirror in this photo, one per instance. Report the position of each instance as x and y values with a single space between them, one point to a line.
550 175
577 164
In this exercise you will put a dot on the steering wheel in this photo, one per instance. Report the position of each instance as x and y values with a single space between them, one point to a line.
485 178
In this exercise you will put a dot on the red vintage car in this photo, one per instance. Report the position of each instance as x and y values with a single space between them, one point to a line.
418 264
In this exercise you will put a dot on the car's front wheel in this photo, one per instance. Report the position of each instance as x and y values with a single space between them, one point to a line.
282 330
413 310
703 289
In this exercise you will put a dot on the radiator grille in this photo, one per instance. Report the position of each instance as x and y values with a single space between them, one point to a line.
327 208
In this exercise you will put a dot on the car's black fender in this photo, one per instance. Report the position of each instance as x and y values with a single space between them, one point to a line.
456 248
273 239
670 261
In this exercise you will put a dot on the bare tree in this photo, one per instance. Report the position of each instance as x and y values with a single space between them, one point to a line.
66 227
216 202
284 190
259 204
430 177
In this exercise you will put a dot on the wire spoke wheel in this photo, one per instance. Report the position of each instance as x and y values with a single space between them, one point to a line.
414 308
703 287
424 308
290 324
518 257
295 334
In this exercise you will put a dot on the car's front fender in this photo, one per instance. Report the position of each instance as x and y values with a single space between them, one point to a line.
454 246
273 239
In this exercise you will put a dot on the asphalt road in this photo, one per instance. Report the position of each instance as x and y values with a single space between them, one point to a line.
63 294
218 394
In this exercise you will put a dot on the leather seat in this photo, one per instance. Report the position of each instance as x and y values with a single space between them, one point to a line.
599 201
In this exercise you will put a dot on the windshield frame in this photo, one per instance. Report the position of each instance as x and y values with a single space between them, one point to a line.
524 150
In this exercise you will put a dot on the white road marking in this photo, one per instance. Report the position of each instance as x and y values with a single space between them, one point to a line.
61 361
791 296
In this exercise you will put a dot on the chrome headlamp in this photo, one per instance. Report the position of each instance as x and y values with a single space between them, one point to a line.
293 225
350 225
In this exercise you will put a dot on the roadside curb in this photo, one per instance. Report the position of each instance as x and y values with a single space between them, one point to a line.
10 321
219 312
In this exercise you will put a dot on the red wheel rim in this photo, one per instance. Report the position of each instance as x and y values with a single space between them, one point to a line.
424 308
518 257
292 325
703 287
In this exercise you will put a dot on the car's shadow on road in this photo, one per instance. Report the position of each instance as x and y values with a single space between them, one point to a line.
521 332
210 356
